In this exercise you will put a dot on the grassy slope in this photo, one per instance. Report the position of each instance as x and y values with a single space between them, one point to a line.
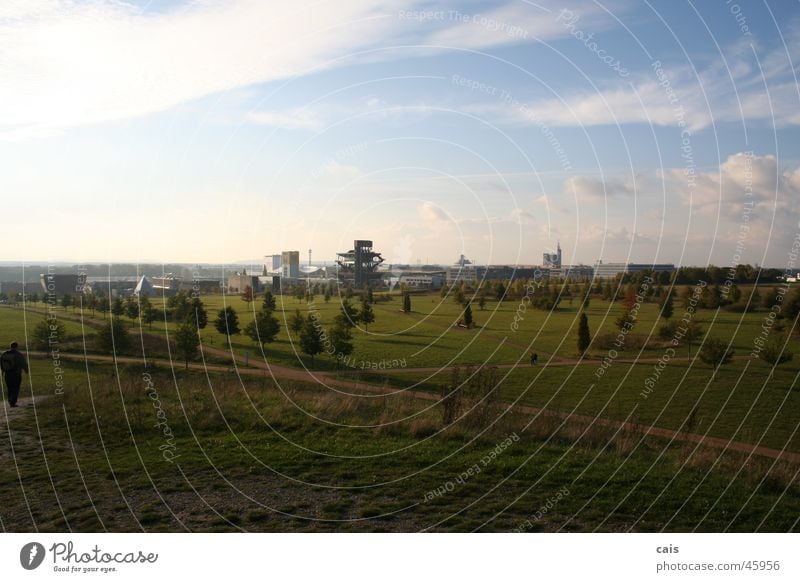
252 457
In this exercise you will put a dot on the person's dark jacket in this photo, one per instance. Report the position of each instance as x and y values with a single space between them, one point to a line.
21 362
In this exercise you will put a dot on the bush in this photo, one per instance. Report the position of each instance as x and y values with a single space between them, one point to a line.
775 354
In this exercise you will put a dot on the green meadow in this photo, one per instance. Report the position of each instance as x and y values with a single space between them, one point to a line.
252 453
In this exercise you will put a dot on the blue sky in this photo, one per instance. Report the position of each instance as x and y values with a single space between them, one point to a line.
219 131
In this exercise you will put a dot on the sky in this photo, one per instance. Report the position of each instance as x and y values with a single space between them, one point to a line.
221 131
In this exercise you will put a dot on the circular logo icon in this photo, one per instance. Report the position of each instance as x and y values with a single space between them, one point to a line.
31 555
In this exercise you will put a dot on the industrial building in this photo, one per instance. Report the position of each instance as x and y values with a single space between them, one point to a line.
422 280
573 272
359 266
290 264
610 270
62 284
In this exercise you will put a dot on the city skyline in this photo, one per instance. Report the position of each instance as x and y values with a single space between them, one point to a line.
201 132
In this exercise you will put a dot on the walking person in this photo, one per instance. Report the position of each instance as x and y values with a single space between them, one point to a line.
535 359
13 363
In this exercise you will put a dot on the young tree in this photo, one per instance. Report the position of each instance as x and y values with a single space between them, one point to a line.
407 302
247 294
131 308
180 308
327 295
269 302
630 298
584 337
113 338
91 302
482 300
196 314
667 306
48 332
468 315
693 332
187 342
263 328
366 316
227 321
500 291
149 315
66 301
103 305
341 340
370 296
311 341
348 315
715 352
117 307
297 322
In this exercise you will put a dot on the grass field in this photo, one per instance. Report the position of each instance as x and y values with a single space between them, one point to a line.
256 455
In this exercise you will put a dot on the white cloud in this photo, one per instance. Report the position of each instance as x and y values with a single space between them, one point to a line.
337 170
67 63
587 188
297 118
433 216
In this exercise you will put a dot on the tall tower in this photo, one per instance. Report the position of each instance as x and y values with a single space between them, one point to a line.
359 265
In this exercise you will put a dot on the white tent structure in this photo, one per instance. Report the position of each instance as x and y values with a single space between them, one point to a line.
143 287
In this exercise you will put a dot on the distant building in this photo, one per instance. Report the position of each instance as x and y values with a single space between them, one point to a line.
272 263
610 270
574 272
290 264
143 288
111 285
421 280
552 260
165 284
462 271
62 284
240 281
